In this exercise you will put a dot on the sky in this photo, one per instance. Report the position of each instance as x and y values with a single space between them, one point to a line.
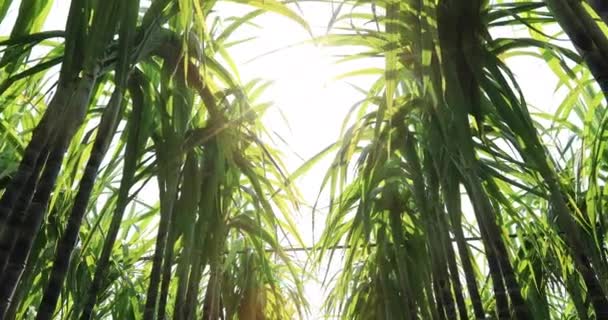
309 105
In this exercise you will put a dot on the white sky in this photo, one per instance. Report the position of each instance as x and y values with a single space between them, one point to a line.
312 103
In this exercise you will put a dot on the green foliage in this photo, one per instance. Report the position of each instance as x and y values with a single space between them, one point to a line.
175 122
444 153
136 183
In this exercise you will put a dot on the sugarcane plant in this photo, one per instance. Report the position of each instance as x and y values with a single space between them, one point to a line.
146 98
452 198
137 180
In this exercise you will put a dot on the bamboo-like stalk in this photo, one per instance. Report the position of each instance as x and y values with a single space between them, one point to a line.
438 295
27 280
170 161
441 283
186 262
36 212
438 228
29 163
402 272
32 222
107 129
167 267
127 180
455 278
66 243
200 261
210 310
74 92
447 249
593 46
463 92
585 36
196 272
490 233
459 52
453 205
8 239
191 190
432 310
206 219
601 8
168 190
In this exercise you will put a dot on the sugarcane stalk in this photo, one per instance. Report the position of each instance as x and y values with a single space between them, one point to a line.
67 242
34 217
9 236
436 225
453 206
447 249
455 277
168 189
168 263
459 36
27 279
586 37
127 180
28 166
36 212
206 219
441 283
601 9
402 272
191 190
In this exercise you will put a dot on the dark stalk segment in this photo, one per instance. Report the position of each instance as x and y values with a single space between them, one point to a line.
455 277
438 227
490 234
15 221
133 149
441 283
67 242
453 206
592 44
460 29
168 264
168 189
27 279
72 120
190 190
206 218
34 217
404 280
28 166
601 8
